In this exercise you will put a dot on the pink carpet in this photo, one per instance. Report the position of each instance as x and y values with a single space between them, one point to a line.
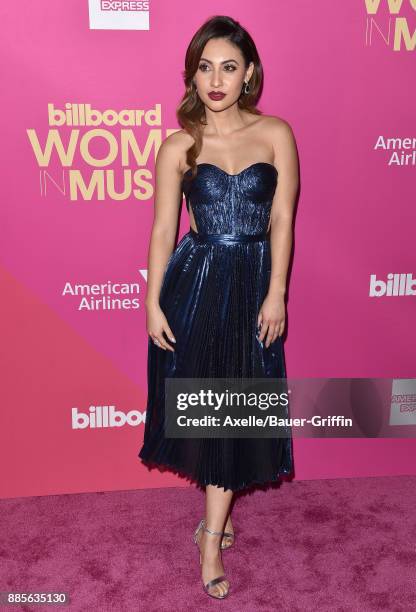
324 545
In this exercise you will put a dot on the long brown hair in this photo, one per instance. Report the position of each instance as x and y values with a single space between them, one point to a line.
191 110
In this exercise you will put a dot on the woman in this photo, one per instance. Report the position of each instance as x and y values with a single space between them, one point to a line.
216 304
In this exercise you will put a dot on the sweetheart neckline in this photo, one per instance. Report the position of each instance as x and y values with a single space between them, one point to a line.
238 173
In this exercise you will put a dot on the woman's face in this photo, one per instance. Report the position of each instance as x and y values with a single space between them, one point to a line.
221 69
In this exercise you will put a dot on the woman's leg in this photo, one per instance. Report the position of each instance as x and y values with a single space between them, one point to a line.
217 507
227 541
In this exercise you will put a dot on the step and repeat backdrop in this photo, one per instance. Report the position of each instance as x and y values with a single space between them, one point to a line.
89 93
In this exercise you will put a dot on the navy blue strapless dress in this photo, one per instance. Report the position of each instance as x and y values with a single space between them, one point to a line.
214 285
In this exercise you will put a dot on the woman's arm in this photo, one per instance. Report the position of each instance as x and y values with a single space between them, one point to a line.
168 198
281 233
272 315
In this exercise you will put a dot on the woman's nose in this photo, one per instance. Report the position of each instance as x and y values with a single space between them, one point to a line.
216 79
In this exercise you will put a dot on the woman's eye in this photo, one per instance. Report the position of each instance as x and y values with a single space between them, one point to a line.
228 67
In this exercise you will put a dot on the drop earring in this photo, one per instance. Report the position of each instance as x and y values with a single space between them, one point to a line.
246 88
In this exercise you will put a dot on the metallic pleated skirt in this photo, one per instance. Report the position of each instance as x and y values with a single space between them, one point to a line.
213 288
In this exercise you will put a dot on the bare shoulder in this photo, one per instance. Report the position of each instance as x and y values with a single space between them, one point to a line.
278 132
276 127
173 150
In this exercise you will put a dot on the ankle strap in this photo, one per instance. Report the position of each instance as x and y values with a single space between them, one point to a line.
210 530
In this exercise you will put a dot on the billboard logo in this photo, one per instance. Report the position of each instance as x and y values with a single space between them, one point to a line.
396 285
99 417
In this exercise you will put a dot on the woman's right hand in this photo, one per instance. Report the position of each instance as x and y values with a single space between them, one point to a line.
156 325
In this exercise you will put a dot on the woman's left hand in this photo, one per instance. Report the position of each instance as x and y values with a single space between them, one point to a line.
271 319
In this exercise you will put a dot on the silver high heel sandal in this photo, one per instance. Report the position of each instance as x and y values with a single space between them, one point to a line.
218 579
229 536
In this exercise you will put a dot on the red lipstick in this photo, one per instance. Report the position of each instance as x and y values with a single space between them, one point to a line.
216 95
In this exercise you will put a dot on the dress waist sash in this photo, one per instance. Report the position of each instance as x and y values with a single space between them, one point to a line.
228 238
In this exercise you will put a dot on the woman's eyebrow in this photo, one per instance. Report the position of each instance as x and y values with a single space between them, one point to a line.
224 62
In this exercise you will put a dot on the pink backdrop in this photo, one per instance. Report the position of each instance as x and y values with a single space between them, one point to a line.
332 72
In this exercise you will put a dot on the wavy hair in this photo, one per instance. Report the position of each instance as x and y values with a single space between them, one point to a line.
191 110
